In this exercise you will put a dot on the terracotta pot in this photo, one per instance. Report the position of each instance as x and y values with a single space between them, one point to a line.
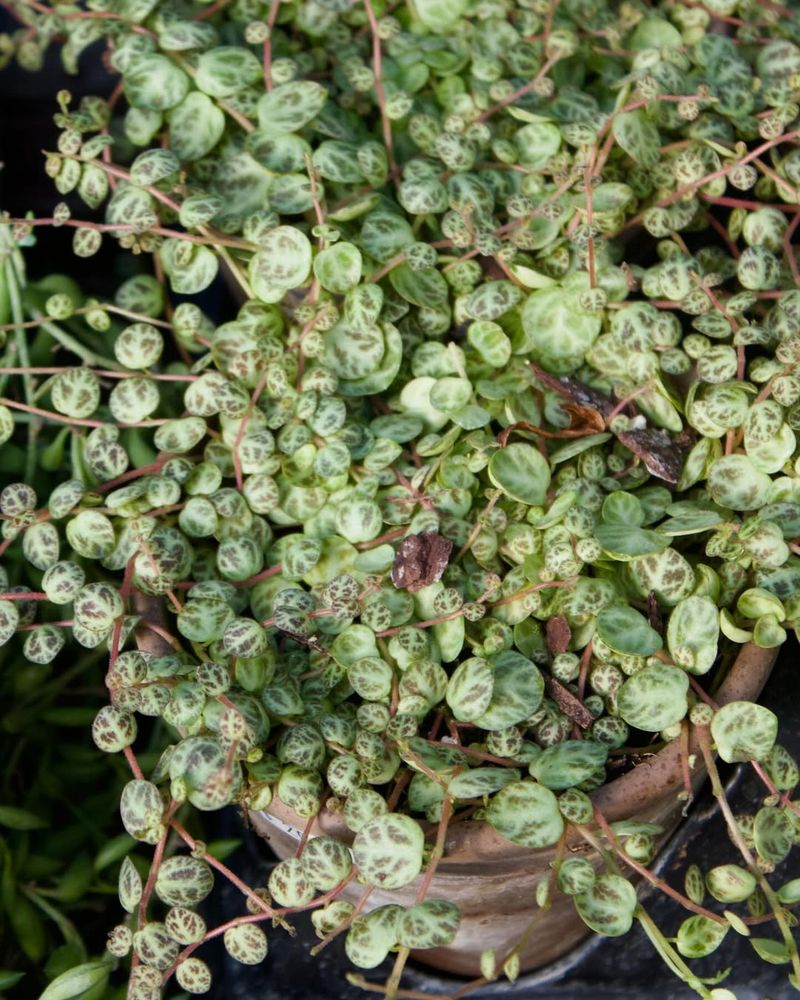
493 881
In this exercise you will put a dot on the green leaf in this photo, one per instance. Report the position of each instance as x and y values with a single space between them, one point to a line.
557 331
480 781
283 263
20 819
608 906
371 936
9 978
744 731
568 763
526 813
627 631
423 287
628 542
469 691
654 698
773 833
521 472
223 71
339 267
517 692
439 15
730 883
699 936
388 851
290 106
191 268
195 127
638 136
774 952
155 83
431 924
693 634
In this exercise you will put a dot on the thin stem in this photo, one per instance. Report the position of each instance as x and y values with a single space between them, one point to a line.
704 741
380 93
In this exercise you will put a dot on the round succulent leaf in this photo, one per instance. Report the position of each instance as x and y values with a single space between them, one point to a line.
490 341
770 950
424 287
141 809
627 631
433 923
113 729
629 542
193 975
743 731
181 435
246 943
517 691
244 637
290 106
699 936
184 881
195 127
153 166
730 883
469 690
154 946
75 392
282 263
155 83
624 508
289 883
388 851
43 644
526 813
521 472
326 862
668 575
479 781
184 925
354 353
450 394
492 299
358 519
339 267
204 619
637 134
736 483
654 698
693 634
568 763
557 332
225 70
608 906
371 936
371 678
9 619
773 833
190 270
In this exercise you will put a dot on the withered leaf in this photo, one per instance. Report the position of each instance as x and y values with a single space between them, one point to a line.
567 702
558 634
661 454
654 616
420 560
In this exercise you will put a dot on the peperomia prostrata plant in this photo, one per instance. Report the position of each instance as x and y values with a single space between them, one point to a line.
492 469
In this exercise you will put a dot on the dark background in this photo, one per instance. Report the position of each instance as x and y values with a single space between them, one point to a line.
603 969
